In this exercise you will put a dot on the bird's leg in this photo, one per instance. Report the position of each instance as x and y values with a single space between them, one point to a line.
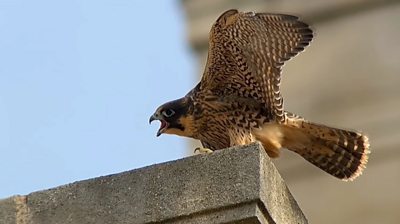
201 150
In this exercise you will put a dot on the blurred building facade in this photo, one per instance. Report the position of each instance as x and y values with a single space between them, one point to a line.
348 77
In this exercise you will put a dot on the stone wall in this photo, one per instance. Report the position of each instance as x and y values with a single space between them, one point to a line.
236 185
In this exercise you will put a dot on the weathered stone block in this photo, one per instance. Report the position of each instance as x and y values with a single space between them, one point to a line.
235 185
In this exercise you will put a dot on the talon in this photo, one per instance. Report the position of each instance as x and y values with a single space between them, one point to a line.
200 150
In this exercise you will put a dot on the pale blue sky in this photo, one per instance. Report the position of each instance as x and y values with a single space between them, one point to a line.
78 82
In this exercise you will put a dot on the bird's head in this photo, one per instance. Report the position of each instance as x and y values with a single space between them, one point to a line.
174 117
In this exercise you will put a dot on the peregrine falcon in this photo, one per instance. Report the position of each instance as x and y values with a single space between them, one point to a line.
238 99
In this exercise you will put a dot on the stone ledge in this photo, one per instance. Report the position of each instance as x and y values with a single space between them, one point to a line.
235 185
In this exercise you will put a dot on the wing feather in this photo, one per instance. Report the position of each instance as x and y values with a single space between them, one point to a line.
246 54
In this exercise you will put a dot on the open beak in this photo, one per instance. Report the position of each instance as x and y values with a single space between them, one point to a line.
152 118
164 124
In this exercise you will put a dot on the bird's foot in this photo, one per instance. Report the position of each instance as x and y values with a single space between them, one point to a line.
200 150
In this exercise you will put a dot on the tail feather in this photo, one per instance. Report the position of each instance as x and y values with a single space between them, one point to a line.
341 153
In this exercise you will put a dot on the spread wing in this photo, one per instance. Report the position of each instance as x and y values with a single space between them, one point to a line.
246 53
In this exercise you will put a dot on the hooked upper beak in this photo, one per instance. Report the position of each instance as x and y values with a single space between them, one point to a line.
164 124
152 118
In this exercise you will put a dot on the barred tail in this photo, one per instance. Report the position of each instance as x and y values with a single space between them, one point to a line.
341 153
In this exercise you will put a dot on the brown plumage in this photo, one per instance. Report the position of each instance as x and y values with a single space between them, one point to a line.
238 99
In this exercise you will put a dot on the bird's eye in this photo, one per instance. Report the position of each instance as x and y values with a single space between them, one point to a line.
168 112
